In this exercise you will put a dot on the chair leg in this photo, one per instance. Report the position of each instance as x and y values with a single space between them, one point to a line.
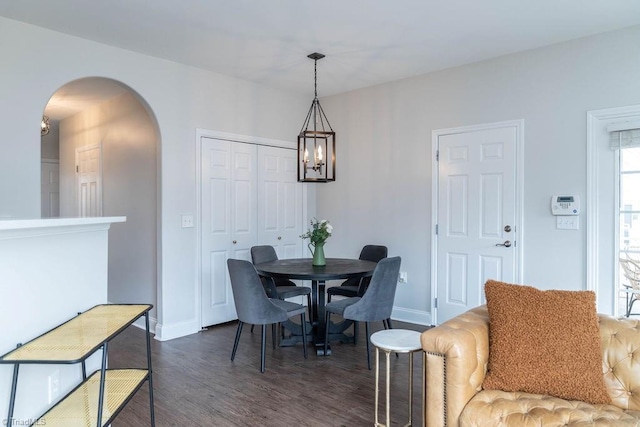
633 300
304 334
309 307
235 343
389 323
263 347
356 331
326 333
366 327
273 335
252 326
328 297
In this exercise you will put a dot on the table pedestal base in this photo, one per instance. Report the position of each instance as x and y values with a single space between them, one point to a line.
336 333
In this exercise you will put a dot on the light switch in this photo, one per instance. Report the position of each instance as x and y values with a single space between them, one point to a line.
566 222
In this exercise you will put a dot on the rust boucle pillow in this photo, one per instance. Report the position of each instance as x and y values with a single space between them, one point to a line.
544 342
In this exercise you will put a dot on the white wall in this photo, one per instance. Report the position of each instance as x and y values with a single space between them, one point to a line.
182 99
383 188
382 192
128 138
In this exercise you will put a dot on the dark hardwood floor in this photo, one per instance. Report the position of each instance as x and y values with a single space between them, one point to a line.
196 383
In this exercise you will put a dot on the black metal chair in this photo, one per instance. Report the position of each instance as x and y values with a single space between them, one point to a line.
376 303
255 307
279 288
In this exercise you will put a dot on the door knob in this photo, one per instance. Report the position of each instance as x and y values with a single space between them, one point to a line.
279 237
506 244
235 241
507 228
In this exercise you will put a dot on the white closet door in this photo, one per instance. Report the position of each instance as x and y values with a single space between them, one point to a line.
279 201
229 221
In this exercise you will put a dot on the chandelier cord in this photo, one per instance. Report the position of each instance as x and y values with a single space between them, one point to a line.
315 78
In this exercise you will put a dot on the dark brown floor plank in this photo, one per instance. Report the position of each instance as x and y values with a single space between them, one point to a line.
196 383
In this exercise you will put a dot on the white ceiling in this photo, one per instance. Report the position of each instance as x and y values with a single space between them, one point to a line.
367 42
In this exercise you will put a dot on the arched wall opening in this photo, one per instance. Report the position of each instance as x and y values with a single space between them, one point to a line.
104 140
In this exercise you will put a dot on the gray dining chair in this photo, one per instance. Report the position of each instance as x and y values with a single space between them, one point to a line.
280 288
376 304
255 307
355 287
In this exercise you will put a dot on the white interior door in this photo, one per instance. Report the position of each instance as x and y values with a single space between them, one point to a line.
476 216
50 188
279 201
89 180
229 221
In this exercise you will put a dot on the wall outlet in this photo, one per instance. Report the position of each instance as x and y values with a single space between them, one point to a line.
54 385
187 221
402 278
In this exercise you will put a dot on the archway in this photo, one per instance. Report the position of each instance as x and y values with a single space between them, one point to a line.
114 121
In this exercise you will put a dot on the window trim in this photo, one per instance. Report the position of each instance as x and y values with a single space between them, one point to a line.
600 268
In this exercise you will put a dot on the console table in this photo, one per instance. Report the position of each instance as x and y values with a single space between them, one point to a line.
100 397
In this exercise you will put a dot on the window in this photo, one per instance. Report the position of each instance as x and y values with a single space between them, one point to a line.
628 216
612 210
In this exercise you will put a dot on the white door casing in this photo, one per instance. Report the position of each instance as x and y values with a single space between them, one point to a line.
229 209
476 214
89 180
50 188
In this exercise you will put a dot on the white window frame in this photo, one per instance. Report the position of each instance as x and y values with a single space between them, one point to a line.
603 171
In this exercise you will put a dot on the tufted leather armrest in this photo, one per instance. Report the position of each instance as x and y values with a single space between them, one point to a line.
452 375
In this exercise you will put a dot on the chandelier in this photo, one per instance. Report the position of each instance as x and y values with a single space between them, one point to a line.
317 140
44 125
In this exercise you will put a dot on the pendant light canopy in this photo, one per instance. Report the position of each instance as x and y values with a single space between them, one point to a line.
317 140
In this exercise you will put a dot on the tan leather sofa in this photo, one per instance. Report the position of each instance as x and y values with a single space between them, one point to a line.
457 353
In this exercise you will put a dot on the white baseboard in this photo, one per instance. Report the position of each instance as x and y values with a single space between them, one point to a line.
152 324
411 316
176 330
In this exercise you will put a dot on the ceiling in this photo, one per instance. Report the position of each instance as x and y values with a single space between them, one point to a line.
366 42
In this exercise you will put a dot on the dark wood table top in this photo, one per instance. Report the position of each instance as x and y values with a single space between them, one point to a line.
302 269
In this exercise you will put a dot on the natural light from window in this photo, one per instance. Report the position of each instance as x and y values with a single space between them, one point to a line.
629 226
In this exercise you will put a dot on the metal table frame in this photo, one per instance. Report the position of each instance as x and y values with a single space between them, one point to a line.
74 342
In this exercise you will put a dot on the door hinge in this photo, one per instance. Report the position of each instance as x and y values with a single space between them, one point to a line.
436 229
77 168
436 304
437 155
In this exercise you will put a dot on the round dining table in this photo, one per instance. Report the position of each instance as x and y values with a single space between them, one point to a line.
303 269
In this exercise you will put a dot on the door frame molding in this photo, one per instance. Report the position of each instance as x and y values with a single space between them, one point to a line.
519 198
232 137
